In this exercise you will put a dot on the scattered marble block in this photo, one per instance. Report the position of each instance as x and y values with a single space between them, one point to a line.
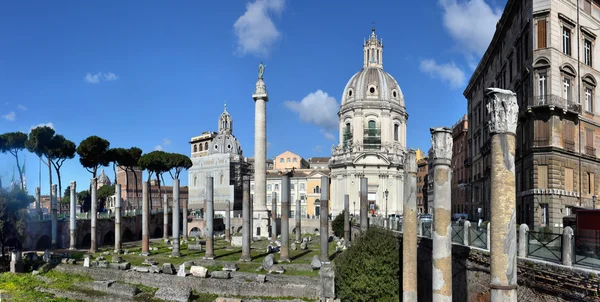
181 272
316 264
277 242
268 261
64 261
106 253
72 261
199 271
304 245
220 275
236 241
86 261
103 264
261 278
117 259
195 247
47 256
140 269
230 267
293 246
277 269
100 258
16 267
149 261
167 241
169 269
123 266
189 263
154 269
178 294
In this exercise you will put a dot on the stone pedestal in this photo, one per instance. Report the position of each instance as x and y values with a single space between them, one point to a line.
503 109
441 141
246 217
73 217
409 228
285 218
118 246
175 231
145 221
210 214
54 206
16 262
94 215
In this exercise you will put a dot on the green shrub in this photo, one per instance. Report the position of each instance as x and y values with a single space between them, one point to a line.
338 225
369 270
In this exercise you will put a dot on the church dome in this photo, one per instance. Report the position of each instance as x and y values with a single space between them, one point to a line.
225 141
103 180
372 83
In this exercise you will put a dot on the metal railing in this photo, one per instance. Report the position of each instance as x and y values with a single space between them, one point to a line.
587 249
555 101
457 234
545 245
478 237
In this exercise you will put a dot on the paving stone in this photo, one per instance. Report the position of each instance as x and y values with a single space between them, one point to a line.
195 247
179 294
261 278
154 269
102 264
220 275
141 269
277 269
149 261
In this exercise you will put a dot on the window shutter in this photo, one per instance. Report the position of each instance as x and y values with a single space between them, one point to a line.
541 33
568 179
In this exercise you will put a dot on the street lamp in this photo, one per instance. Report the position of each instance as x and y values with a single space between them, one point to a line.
386 208
594 199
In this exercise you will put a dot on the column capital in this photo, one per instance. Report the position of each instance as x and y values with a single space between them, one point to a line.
260 92
410 161
441 144
503 109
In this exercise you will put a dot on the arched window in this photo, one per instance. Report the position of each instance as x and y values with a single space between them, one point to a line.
199 147
281 160
396 127
288 160
195 148
317 190
295 160
206 146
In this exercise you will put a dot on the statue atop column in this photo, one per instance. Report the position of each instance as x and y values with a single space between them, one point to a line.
261 70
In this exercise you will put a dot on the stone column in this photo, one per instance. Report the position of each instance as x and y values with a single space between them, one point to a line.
184 216
210 215
260 211
409 229
37 202
16 262
246 217
165 217
523 240
72 216
441 233
54 207
503 109
298 221
466 232
118 246
274 213
175 232
346 220
364 204
145 226
285 218
252 217
227 220
567 247
324 230
94 215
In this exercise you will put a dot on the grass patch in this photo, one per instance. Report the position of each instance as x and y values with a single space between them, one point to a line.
21 287
64 281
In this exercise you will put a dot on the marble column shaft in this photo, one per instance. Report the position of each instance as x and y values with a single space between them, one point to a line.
252 230
118 242
409 229
324 228
285 218
72 216
175 211
145 226
94 215
364 204
503 109
184 216
260 148
246 217
210 215
346 220
37 202
227 220
441 141
298 217
274 213
54 206
165 216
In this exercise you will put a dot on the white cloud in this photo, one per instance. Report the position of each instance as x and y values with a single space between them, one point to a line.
22 107
471 23
99 77
158 148
328 135
166 142
255 29
317 108
11 116
448 73
49 124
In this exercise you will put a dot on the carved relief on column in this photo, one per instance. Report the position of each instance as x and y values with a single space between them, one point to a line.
503 109
441 144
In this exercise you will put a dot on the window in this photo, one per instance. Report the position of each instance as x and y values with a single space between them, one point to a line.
569 135
252 187
566 41
276 187
206 146
587 52
542 133
292 187
396 126
566 88
301 187
289 160
222 179
195 148
317 190
589 99
372 125
295 160
542 85
542 176
568 210
587 6
281 160
568 179
200 147
544 219
541 33
268 187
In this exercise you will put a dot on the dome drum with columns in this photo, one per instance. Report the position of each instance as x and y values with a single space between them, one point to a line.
372 138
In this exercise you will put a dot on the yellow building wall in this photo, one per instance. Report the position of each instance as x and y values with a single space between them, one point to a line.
311 184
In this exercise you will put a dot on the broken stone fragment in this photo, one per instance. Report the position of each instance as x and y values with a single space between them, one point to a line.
199 271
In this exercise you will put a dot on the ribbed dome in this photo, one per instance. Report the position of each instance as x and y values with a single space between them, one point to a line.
372 83
103 179
225 143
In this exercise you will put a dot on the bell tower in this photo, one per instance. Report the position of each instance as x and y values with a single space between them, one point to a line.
373 51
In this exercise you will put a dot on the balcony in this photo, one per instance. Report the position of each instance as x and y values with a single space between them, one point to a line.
553 101
569 145
372 138
590 151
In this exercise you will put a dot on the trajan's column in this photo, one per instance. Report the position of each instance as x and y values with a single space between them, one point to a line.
260 214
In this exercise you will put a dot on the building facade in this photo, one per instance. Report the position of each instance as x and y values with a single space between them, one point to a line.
422 184
372 139
545 52
288 161
319 163
429 182
224 161
460 174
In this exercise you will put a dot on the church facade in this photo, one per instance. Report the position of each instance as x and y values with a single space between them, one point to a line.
372 139
218 155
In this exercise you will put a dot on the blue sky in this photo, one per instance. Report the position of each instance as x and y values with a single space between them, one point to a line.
152 74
